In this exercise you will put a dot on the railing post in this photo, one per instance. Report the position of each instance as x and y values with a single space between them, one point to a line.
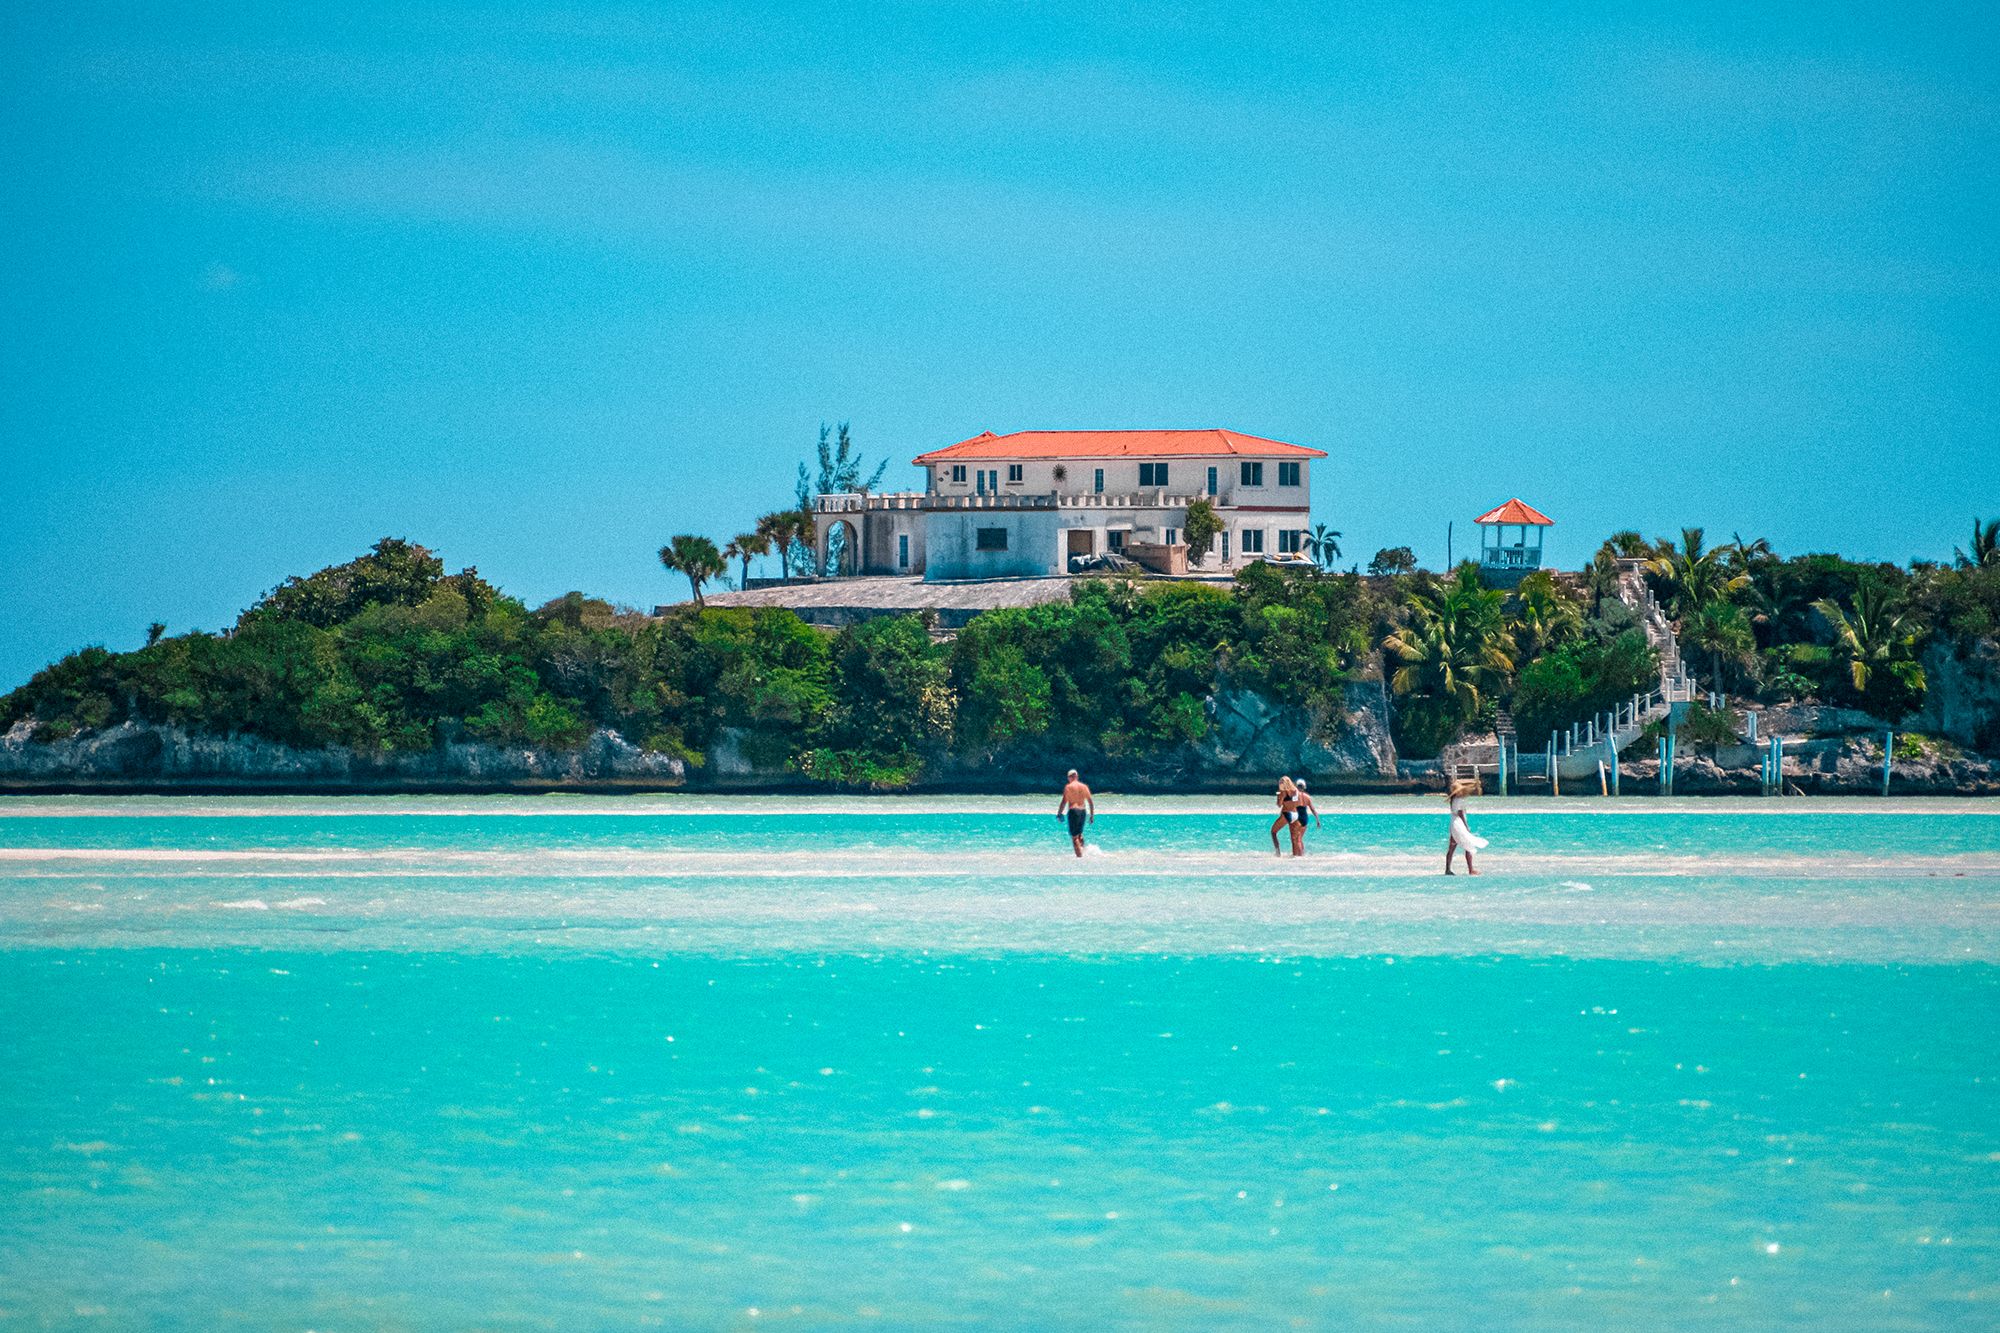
1888 757
1500 777
1665 771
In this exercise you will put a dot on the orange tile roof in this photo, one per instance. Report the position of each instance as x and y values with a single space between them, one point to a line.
1516 512
1115 444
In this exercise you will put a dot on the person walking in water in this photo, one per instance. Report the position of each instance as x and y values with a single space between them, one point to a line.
1076 801
1304 807
1288 796
1461 836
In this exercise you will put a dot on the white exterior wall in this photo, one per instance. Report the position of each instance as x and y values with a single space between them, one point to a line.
877 532
884 527
1185 476
1038 539
1034 544
1267 523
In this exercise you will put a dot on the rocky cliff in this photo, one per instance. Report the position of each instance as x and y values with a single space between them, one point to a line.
1256 737
1252 741
1962 693
136 755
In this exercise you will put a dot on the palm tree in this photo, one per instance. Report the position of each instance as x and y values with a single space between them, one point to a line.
1747 557
1456 647
1721 630
695 557
1323 544
780 531
1693 577
1628 544
1544 615
1771 604
1603 579
1985 545
1875 634
743 546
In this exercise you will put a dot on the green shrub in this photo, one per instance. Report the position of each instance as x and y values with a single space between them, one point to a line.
1424 726
1712 728
1580 680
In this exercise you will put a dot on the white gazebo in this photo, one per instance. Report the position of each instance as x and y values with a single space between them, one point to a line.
1510 542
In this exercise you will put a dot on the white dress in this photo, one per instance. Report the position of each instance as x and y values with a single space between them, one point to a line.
1460 833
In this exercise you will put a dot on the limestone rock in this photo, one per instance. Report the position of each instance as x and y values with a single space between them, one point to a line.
1815 720
1962 694
1255 736
135 754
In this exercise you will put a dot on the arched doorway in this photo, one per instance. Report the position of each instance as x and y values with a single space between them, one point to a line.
840 550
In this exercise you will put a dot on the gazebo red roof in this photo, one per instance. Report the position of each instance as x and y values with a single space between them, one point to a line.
1516 512
1115 444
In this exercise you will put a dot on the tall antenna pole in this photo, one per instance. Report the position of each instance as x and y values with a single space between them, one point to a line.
1447 548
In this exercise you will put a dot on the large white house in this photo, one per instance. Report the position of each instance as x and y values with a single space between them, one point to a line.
1034 502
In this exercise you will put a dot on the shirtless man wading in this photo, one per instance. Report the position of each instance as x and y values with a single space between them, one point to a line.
1076 801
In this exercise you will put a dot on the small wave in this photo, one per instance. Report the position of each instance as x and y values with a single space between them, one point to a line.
302 902
247 905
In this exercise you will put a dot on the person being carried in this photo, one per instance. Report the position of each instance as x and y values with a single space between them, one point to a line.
1288 797
1076 800
1461 837
1303 807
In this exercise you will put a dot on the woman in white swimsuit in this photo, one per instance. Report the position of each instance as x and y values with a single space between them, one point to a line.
1461 836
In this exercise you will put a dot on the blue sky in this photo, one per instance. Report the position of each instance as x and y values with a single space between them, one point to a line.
540 286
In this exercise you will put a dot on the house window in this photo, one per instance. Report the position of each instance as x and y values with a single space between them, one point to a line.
1173 536
1153 474
1014 471
991 539
1211 481
1253 474
1225 545
958 473
1100 481
989 481
1290 540
1116 539
1288 474
1253 541
902 550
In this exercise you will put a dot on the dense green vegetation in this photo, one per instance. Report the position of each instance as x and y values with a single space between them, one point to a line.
1819 627
389 652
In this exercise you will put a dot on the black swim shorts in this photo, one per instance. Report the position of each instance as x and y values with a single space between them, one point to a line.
1076 818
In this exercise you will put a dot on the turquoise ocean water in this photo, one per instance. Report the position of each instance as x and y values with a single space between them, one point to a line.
694 1063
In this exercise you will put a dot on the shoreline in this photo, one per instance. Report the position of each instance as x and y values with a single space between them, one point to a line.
1743 787
135 759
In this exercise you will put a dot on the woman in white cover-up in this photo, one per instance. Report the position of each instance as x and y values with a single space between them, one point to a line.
1461 837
